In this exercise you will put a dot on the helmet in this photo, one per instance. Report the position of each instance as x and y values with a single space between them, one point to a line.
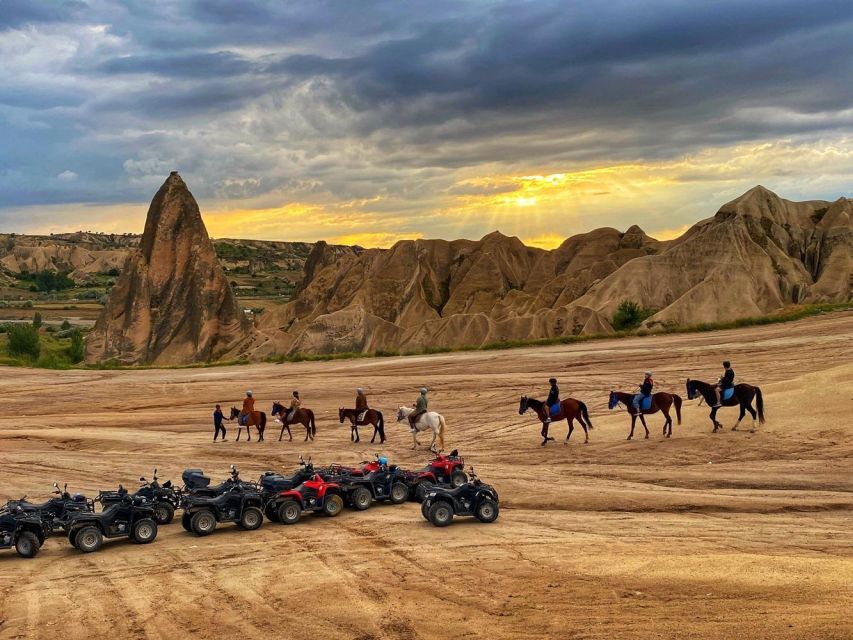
552 380
423 390
648 374
383 460
726 364
359 390
249 393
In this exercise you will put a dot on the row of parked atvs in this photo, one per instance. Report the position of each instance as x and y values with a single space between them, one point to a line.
443 488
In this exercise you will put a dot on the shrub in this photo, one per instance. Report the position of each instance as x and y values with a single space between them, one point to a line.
37 320
630 315
77 350
65 325
23 340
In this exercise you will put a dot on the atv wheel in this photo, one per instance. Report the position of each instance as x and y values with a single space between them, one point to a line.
27 545
289 512
251 519
203 523
89 539
458 478
144 531
487 511
186 522
333 505
399 493
361 498
164 512
72 537
422 489
425 510
441 514
271 513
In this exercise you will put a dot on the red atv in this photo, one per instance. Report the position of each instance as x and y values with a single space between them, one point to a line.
316 495
365 467
443 471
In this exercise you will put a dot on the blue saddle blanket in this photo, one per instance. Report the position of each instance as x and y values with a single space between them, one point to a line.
728 393
644 402
555 409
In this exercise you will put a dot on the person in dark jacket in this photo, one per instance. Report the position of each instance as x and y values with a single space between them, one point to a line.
421 407
218 417
645 390
553 399
360 404
726 381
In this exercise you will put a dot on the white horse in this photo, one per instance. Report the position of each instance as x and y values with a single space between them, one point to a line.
429 420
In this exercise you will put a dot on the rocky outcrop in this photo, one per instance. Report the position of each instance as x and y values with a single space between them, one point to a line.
172 303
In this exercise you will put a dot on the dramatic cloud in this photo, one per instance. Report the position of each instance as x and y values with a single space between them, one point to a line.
381 120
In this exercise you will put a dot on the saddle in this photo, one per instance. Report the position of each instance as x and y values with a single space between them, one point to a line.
727 394
646 403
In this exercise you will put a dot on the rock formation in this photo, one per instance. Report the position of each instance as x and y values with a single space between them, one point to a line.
172 303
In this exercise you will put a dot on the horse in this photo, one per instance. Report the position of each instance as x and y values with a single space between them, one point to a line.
254 419
303 416
661 401
371 416
428 420
743 395
570 410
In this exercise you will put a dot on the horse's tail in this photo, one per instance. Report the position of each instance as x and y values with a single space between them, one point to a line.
312 422
441 425
676 399
381 424
759 404
263 422
585 414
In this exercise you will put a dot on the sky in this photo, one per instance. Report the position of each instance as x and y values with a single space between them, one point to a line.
368 122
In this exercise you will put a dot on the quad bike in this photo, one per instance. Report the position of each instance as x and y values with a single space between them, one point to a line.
442 471
383 484
197 484
366 466
131 517
272 483
165 498
21 530
474 498
240 502
316 495
56 512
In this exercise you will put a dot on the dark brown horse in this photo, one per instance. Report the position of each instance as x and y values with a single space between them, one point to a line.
256 419
570 410
371 416
743 395
305 417
660 402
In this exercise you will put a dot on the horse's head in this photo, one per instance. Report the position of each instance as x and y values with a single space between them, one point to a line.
234 412
614 400
401 414
341 414
277 409
522 406
691 389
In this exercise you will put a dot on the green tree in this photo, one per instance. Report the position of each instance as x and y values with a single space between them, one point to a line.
629 315
23 340
37 321
65 325
77 350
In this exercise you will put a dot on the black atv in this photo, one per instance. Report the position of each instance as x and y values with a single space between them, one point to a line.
474 498
131 517
164 498
385 484
23 531
239 502
56 512
197 484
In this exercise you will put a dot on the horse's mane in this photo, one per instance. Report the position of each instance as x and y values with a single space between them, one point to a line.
534 403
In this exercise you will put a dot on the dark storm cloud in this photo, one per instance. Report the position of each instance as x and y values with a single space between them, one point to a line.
330 99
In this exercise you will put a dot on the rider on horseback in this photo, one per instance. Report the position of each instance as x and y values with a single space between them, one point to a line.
645 390
726 381
248 408
420 409
553 399
295 403
360 404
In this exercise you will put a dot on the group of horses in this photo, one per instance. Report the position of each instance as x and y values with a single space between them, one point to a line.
429 421
571 409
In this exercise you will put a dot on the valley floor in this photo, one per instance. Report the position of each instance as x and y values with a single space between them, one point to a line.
703 535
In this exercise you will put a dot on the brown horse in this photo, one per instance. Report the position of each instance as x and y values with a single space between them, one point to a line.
371 416
742 395
256 419
570 410
305 417
660 402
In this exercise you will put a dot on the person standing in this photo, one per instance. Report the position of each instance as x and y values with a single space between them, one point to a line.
218 417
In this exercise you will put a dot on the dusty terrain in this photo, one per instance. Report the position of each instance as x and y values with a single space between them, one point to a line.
712 536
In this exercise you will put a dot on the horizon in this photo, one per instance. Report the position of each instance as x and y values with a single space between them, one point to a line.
394 121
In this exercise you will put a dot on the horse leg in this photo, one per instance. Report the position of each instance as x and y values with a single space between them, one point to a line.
239 431
643 420
434 436
414 439
545 436
289 434
571 422
633 421
281 434
585 430
753 414
740 417
717 425
667 425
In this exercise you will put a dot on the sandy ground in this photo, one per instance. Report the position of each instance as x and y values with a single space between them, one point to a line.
701 536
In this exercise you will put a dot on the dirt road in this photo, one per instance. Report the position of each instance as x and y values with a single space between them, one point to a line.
701 536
